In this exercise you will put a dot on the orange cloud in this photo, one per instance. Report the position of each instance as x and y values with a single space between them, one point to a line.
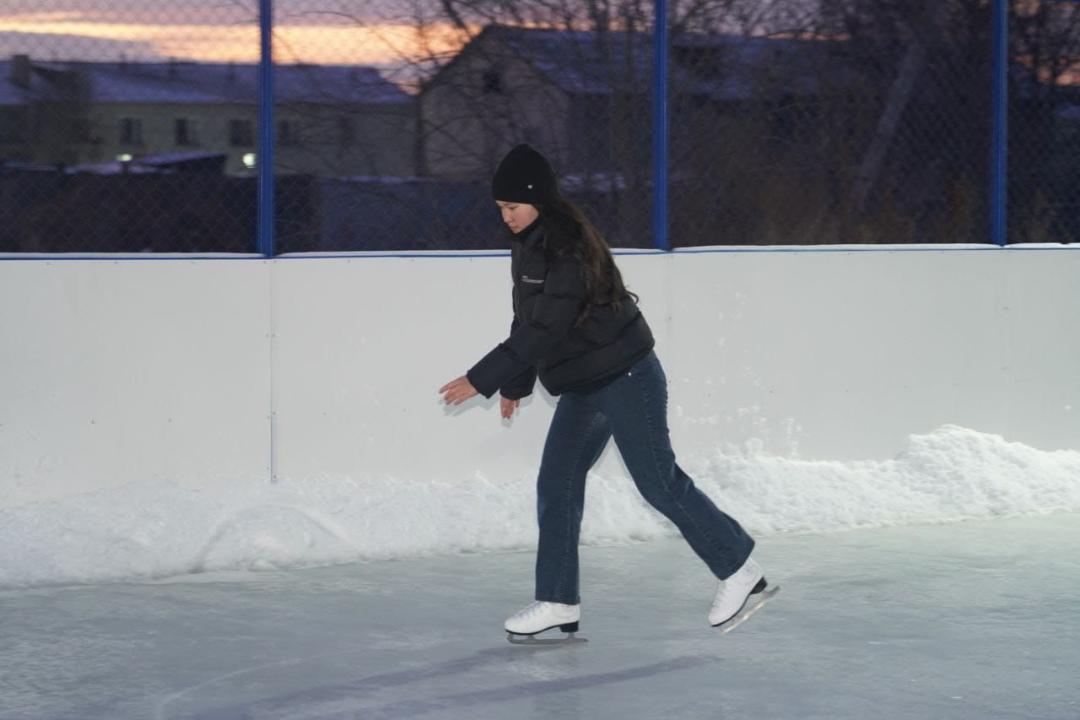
341 43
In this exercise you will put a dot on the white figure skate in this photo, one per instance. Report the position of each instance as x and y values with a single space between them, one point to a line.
523 627
740 596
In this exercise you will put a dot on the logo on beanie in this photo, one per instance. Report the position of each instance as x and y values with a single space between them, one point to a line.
525 176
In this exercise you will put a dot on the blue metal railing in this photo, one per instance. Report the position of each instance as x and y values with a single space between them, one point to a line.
660 126
265 155
998 191
999 139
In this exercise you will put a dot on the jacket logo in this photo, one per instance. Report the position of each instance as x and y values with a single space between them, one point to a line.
534 281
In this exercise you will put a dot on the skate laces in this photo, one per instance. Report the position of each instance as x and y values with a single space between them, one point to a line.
539 607
532 609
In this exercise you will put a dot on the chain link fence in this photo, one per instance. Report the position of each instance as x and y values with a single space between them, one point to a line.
131 127
463 83
1044 122
870 122
111 141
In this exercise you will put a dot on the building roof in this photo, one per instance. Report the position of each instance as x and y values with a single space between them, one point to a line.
190 161
723 67
171 162
737 65
211 83
41 85
580 61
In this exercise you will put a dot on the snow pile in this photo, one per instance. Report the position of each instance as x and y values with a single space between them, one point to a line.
157 529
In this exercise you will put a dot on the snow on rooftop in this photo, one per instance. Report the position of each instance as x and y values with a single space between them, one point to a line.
191 82
718 66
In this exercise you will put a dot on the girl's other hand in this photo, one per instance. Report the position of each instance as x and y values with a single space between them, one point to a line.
508 406
457 391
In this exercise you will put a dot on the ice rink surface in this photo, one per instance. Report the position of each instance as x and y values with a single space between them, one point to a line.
979 620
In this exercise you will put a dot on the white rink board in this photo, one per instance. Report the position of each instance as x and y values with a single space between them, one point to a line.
115 372
367 406
841 356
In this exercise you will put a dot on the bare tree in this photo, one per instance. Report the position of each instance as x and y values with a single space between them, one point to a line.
874 130
926 156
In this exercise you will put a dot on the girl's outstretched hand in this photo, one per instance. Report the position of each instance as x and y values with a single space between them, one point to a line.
457 391
508 406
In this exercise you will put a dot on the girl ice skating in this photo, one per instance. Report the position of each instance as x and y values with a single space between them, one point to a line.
577 327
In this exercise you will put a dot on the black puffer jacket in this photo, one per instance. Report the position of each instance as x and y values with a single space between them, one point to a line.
546 336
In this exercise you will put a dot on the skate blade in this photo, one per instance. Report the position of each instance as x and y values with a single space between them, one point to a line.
752 606
568 639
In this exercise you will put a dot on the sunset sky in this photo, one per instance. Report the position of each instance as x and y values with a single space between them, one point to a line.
317 31
359 32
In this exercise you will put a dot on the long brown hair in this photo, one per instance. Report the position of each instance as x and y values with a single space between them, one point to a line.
567 230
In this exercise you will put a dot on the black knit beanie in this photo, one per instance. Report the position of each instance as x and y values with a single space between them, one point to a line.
525 176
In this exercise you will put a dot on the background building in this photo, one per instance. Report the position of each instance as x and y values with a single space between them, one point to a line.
331 120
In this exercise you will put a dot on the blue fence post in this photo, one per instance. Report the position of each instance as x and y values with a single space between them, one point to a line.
264 158
999 162
660 126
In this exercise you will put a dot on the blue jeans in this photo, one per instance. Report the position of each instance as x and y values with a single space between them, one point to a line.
633 410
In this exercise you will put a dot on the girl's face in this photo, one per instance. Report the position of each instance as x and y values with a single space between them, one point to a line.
517 216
